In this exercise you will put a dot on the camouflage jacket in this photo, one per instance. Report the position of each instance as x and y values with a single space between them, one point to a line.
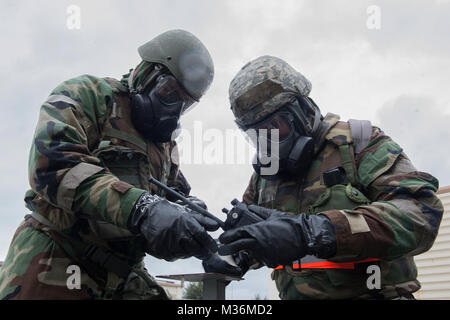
87 167
391 213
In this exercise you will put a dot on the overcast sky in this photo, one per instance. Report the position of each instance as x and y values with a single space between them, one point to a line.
396 75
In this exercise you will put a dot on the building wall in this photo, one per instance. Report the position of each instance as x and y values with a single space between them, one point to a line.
434 265
173 290
273 292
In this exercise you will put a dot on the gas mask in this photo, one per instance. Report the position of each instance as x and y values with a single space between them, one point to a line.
155 114
285 137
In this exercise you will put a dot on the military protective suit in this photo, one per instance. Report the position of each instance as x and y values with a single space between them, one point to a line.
89 167
381 209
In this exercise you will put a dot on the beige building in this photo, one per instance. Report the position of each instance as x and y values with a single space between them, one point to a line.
174 290
433 265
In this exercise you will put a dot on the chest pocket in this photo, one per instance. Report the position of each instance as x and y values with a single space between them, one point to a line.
338 197
341 192
125 163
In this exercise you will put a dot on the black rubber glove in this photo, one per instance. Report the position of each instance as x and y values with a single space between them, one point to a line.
172 231
195 200
219 264
242 262
282 238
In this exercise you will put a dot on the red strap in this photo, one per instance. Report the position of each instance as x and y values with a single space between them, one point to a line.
329 264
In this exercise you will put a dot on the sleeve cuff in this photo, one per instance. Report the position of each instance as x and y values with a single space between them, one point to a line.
349 226
127 202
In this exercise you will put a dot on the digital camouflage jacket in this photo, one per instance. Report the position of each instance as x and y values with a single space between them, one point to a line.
387 212
87 167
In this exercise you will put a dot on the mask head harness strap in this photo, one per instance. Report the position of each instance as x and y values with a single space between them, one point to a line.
153 73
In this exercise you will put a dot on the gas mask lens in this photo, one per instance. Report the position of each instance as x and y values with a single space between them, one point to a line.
170 92
277 128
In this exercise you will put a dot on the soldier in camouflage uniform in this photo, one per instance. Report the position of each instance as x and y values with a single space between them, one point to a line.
97 142
345 196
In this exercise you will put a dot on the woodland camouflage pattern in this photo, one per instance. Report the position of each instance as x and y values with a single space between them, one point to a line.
87 167
394 216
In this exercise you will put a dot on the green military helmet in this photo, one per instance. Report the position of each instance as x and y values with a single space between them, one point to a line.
186 58
263 86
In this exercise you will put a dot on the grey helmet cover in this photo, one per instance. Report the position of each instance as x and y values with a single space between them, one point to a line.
185 56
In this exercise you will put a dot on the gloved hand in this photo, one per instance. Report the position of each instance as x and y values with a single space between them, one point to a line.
221 264
195 200
172 231
236 264
281 238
